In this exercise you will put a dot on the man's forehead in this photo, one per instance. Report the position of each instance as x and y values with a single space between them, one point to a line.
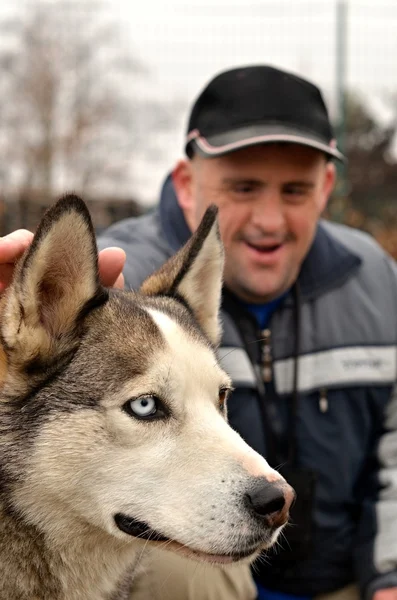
305 181
258 156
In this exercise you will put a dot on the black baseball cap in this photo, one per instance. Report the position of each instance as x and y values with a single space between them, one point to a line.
256 105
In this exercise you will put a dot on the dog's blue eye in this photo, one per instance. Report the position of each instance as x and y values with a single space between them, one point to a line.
144 407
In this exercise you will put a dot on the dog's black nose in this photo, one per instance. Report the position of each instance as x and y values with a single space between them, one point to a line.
270 500
266 499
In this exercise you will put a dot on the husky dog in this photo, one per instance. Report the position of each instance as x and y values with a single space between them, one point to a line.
113 430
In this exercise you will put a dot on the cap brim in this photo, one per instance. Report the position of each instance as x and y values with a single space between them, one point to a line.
231 141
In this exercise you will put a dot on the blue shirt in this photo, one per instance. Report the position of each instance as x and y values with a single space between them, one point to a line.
263 312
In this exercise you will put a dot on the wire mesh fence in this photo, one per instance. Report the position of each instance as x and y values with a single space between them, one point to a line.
95 95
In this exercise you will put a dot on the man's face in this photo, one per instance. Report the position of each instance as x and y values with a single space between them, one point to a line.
270 199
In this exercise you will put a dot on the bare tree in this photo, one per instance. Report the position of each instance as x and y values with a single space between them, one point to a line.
70 118
372 174
372 167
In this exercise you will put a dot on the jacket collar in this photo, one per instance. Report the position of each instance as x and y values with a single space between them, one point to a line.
328 264
172 219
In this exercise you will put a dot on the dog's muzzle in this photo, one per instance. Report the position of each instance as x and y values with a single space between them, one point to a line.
266 506
142 530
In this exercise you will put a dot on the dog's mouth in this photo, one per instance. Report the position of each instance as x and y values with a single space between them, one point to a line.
143 531
138 529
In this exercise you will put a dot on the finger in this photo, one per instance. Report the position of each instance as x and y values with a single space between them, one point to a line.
13 245
119 283
111 264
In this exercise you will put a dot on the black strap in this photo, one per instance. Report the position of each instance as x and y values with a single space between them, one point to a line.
246 324
293 412
247 327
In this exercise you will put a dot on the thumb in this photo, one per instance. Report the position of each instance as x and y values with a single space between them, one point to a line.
111 263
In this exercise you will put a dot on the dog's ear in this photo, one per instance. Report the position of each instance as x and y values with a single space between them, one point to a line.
55 284
195 275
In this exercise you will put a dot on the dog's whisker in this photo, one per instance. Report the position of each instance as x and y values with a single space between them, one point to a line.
280 466
143 550
256 341
227 354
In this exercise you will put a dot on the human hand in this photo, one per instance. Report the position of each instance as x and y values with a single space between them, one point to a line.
111 262
386 594
12 246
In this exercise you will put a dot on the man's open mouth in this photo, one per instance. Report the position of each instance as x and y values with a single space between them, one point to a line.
142 530
265 249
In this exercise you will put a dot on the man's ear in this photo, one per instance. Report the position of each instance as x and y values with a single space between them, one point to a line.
183 185
195 275
55 284
328 184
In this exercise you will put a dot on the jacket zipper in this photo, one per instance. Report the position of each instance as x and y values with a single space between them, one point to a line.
267 368
323 400
267 358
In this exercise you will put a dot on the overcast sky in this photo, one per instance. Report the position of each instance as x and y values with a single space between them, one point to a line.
185 42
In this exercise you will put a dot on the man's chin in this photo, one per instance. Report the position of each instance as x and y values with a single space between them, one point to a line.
258 285
253 294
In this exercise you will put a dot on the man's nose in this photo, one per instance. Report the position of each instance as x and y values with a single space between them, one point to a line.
268 214
270 501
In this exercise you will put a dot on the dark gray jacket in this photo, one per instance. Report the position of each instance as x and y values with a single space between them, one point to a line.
346 415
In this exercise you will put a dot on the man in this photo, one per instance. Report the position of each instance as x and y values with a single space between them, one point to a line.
310 335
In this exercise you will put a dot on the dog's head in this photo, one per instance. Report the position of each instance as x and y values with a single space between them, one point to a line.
112 409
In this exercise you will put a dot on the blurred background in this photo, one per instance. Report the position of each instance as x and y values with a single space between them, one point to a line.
94 96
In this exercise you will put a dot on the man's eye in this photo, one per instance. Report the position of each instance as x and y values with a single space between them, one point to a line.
244 188
295 195
145 407
295 191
